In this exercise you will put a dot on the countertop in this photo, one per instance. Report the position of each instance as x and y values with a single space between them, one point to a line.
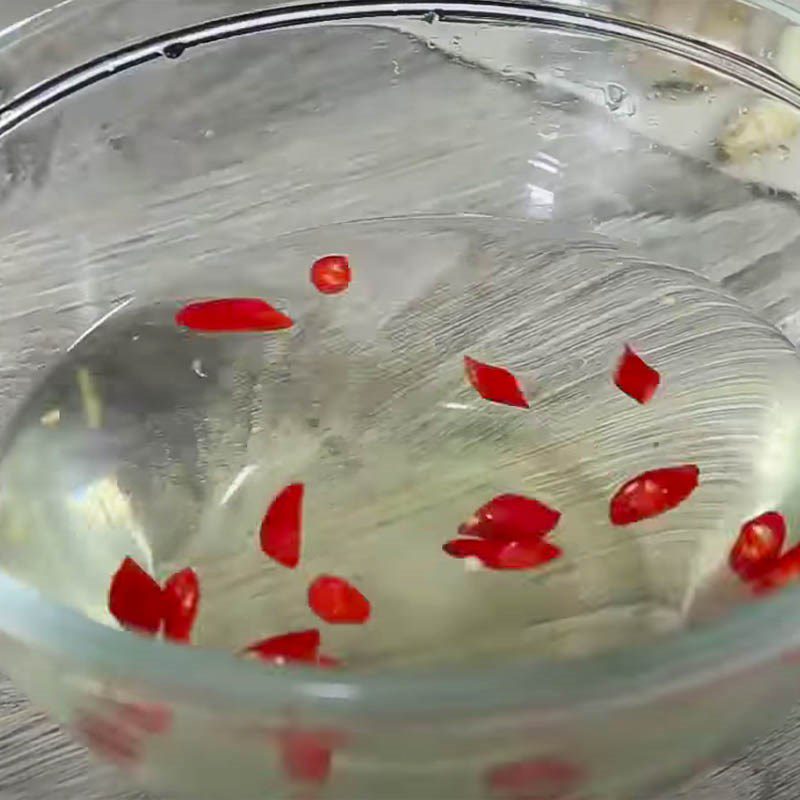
38 762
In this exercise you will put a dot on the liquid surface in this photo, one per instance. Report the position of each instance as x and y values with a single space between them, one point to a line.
152 441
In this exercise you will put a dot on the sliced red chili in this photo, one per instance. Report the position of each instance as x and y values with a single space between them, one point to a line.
338 602
635 377
537 779
281 527
307 755
784 571
653 493
500 555
302 646
495 384
148 717
472 548
109 740
328 662
181 604
331 274
758 546
512 518
305 758
135 599
232 315
523 555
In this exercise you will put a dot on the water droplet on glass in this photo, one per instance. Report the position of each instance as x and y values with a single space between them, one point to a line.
395 67
174 50
784 152
617 99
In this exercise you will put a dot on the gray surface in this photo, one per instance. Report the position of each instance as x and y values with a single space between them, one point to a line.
38 761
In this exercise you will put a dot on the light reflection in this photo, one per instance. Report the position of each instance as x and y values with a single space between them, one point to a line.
540 202
457 406
546 162
237 482
103 508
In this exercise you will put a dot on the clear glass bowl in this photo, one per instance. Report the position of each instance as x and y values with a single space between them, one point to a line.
150 151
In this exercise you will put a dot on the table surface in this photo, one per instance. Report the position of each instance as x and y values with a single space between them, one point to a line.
38 761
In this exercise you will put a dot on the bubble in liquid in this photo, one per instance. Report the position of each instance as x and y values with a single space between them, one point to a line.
618 100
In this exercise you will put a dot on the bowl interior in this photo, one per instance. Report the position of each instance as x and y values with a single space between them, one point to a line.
527 191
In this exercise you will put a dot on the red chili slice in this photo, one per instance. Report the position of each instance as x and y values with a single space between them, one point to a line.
653 493
338 602
281 528
307 755
148 717
512 518
135 599
232 315
500 555
635 377
472 548
495 384
523 555
109 740
759 544
537 779
328 662
181 604
331 274
305 758
300 646
784 571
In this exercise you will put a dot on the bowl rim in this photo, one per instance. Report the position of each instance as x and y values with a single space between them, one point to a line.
546 691
754 635
759 75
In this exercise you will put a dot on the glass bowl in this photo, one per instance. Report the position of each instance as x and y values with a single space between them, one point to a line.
543 182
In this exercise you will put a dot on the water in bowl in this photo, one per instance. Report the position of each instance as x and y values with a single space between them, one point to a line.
153 441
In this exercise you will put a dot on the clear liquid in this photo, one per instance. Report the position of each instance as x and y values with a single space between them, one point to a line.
151 441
